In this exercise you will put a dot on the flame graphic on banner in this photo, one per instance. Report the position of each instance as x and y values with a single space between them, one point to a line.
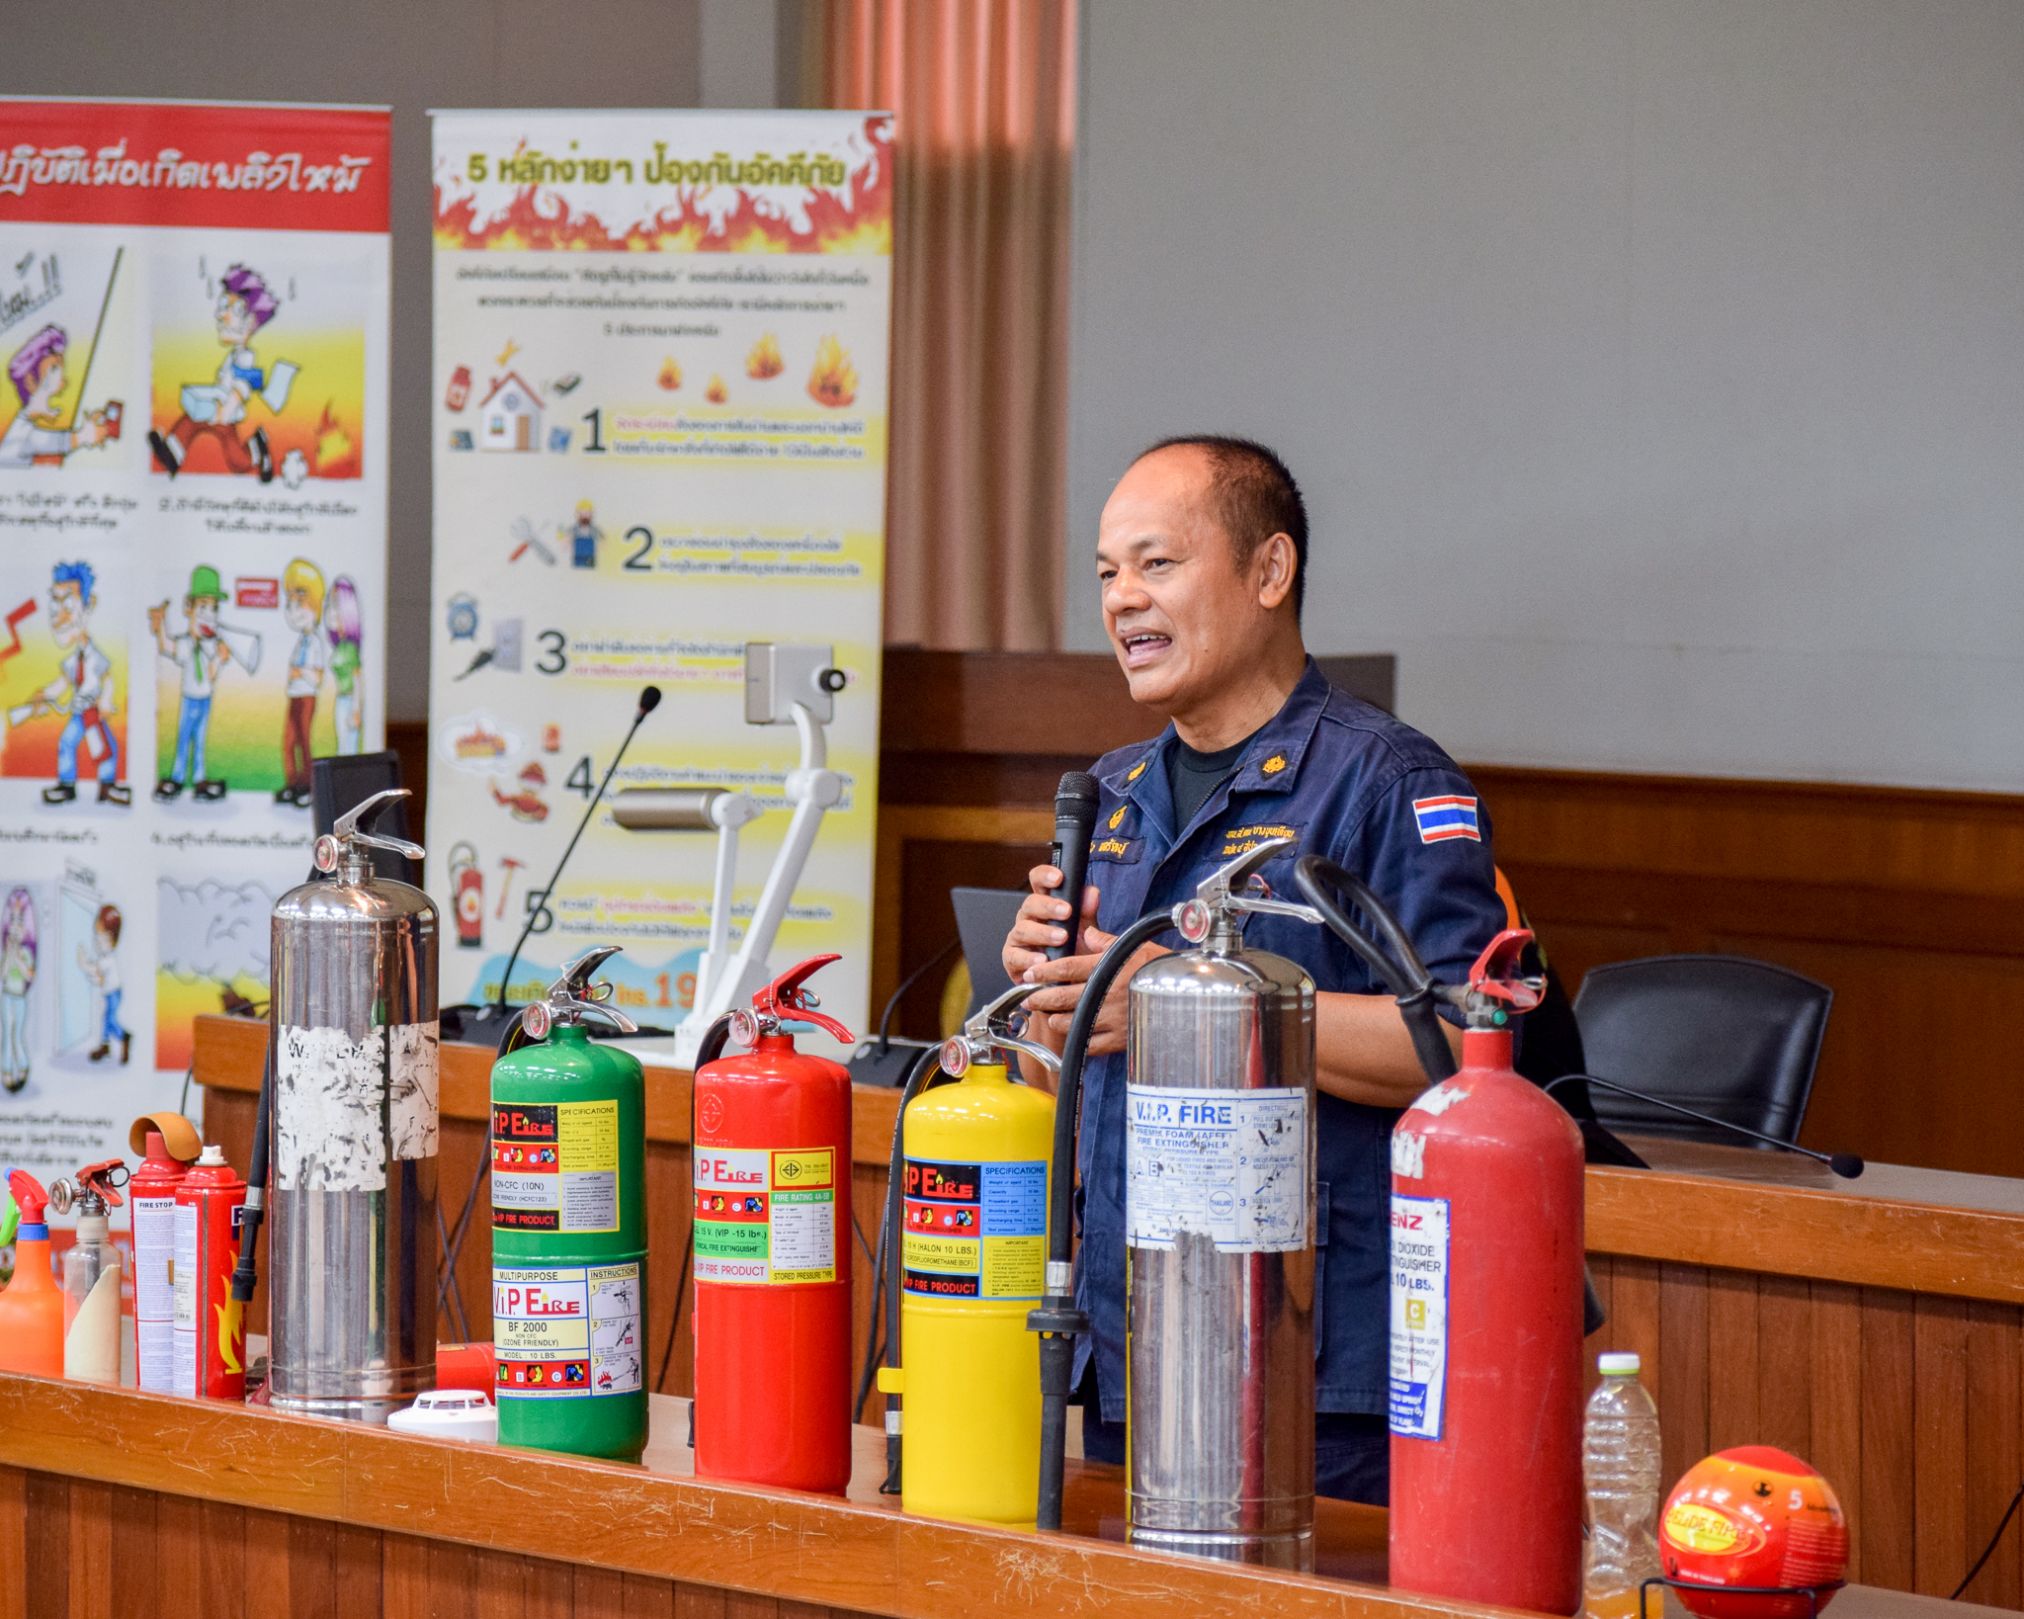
833 381
538 219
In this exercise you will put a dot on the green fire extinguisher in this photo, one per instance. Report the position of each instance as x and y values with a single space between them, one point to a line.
569 1227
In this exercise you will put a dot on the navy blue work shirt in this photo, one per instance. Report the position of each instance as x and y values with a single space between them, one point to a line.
1346 780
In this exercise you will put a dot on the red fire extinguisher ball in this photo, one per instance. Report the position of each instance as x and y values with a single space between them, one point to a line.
1486 1303
772 1252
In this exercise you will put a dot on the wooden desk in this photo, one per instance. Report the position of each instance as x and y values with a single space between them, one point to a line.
1875 1327
111 1499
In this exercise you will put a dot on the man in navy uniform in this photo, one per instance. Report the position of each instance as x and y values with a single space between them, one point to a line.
1202 556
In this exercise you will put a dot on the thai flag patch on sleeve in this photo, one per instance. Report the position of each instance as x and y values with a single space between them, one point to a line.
1444 818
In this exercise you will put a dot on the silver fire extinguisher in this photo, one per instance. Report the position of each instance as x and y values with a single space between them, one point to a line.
1220 1240
352 1225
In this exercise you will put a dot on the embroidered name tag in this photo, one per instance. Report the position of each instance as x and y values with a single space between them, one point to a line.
1243 839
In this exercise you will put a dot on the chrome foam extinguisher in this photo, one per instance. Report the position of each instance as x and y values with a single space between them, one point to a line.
1219 1236
353 1120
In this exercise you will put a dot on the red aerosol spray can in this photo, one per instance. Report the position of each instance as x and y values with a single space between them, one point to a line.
210 1329
151 1196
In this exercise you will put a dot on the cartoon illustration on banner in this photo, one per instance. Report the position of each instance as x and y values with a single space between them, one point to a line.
661 431
192 601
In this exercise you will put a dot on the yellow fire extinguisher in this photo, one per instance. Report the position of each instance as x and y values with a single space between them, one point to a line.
966 1246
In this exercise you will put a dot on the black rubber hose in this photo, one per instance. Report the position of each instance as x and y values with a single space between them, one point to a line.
715 1038
891 1245
511 1039
1398 967
1057 1320
246 1274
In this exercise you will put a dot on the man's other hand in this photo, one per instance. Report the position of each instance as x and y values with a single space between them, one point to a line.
1053 1005
1042 923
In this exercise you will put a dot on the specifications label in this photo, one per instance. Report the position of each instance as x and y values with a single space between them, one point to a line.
766 1218
567 1330
555 1166
1231 1165
975 1231
1419 1315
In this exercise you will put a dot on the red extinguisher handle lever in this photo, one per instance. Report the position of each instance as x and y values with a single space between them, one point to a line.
1499 972
788 997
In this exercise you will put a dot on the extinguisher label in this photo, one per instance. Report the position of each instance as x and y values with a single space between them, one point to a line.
555 1166
766 1217
975 1231
568 1331
1419 1315
1232 1165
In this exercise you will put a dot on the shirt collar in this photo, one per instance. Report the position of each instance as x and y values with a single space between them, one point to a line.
1270 764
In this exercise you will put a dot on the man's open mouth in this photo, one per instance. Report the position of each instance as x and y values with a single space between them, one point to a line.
1143 646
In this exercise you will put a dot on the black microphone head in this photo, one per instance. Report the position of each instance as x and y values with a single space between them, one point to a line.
1077 795
1845 1164
650 699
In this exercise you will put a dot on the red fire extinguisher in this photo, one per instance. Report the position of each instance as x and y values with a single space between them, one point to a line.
772 1251
467 885
1486 1321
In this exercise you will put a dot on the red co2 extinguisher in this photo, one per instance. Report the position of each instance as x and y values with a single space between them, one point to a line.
1486 1307
772 1248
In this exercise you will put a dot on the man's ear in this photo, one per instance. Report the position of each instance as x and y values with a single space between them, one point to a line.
1276 562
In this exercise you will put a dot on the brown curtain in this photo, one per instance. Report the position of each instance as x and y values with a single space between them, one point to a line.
984 97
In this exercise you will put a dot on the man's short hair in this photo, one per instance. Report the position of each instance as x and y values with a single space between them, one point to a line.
1256 498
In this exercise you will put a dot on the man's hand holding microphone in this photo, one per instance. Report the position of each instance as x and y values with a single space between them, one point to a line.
1039 949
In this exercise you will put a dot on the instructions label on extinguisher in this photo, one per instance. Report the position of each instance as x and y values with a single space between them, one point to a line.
976 1230
555 1166
566 1330
1232 1165
765 1218
1419 1315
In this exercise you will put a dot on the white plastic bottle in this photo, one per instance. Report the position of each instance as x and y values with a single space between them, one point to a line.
1620 1467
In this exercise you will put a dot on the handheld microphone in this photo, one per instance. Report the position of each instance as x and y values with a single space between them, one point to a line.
1845 1164
1075 802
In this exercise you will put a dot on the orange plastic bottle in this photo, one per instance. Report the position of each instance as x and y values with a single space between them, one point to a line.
31 1308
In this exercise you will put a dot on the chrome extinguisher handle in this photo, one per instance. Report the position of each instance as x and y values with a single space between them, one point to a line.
573 997
1220 896
347 832
992 1029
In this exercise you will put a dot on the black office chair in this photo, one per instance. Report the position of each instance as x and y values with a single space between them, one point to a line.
1735 1038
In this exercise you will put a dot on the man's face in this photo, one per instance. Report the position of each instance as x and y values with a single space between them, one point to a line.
235 320
1181 616
297 614
204 614
42 393
66 613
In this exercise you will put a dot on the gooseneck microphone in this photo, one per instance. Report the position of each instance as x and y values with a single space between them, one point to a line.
1845 1164
1075 802
539 918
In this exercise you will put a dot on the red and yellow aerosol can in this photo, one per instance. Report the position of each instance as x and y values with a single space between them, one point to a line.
966 1245
1486 1322
210 1327
772 1236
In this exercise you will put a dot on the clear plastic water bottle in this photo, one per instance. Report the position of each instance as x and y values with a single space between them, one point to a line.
1620 1467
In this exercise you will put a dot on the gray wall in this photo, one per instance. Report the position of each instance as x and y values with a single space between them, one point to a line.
412 55
1655 370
